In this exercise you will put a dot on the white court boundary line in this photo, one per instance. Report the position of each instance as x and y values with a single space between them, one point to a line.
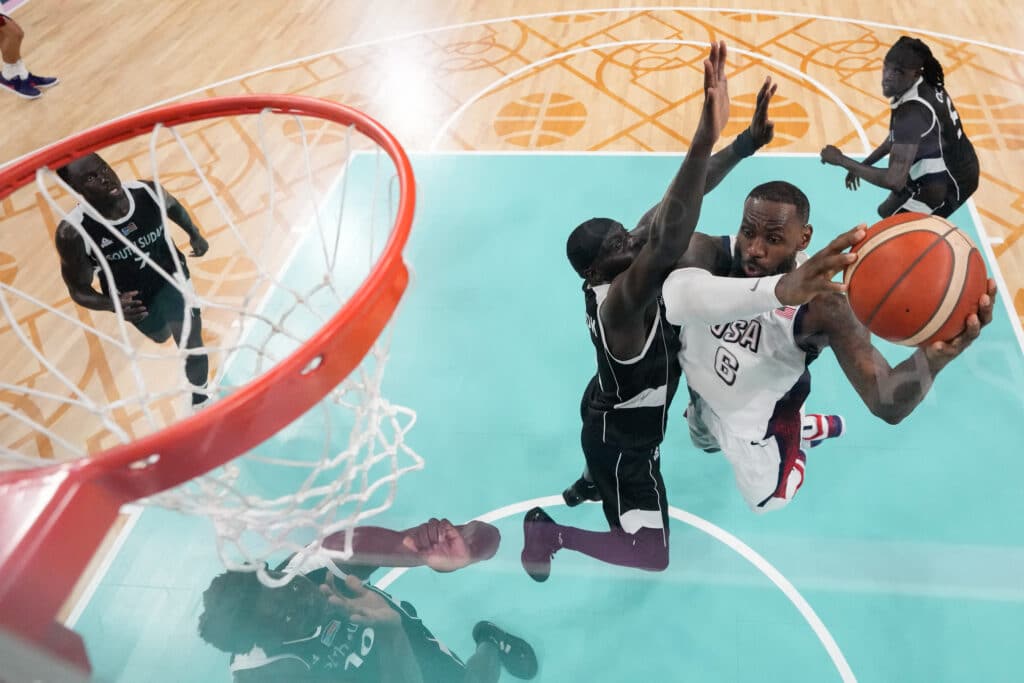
716 532
626 43
132 513
997 274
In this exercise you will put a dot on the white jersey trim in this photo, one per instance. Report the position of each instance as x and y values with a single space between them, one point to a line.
648 398
601 292
256 658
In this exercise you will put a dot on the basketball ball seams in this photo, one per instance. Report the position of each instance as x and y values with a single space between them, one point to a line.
906 290
956 284
880 237
940 239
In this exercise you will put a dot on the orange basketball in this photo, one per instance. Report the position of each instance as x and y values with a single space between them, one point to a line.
916 280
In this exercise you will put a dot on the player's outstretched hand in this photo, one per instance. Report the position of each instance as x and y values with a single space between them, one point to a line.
943 352
440 545
814 276
131 308
852 181
362 605
715 115
762 129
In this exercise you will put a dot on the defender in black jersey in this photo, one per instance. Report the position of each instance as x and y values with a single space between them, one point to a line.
625 405
933 168
311 630
135 251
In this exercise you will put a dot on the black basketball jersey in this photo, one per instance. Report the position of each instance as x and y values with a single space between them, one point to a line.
341 651
142 227
944 152
627 401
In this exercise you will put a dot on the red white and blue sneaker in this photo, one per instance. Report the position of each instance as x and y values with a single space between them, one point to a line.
20 87
816 428
42 81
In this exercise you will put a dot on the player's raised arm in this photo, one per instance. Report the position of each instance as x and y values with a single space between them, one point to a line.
675 218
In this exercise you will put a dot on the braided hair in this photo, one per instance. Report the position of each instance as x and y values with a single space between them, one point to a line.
919 54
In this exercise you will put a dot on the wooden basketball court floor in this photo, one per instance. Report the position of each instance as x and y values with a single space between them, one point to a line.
501 77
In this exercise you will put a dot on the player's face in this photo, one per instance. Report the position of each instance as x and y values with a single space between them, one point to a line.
618 250
96 182
291 611
897 76
770 236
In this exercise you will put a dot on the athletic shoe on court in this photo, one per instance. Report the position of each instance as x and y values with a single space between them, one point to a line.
816 428
516 655
20 87
581 490
540 541
42 81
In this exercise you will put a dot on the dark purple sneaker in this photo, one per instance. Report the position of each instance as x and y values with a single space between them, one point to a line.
540 541
42 81
20 87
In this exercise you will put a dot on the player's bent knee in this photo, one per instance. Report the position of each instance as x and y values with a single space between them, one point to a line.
651 546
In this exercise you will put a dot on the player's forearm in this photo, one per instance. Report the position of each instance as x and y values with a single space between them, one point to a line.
397 662
879 177
177 213
724 160
880 152
373 547
693 295
675 219
87 297
902 388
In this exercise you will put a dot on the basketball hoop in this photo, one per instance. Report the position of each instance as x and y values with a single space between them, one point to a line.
54 517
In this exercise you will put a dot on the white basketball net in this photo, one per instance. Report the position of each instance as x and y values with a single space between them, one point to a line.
296 211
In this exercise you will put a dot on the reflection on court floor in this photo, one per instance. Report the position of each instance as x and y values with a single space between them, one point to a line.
903 540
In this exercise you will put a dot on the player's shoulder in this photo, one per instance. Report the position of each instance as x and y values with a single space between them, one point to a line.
66 234
829 315
707 253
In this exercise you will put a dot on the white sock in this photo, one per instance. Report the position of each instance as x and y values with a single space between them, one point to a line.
16 70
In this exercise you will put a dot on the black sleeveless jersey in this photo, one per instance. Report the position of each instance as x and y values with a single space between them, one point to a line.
341 651
143 228
944 152
626 403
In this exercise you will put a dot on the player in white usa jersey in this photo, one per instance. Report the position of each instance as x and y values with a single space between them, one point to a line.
746 340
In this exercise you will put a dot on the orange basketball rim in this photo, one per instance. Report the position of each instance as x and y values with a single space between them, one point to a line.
52 519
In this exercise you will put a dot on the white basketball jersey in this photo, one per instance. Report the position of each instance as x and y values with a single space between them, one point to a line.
743 368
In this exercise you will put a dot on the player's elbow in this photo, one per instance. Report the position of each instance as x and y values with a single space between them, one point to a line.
896 179
888 414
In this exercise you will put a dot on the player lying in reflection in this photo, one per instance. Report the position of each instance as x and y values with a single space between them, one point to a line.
312 629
